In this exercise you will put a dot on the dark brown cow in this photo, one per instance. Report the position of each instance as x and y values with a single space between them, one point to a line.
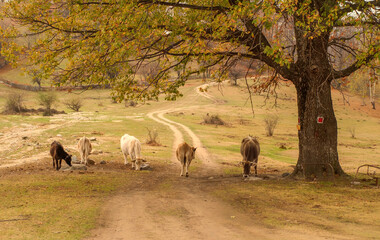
58 153
250 150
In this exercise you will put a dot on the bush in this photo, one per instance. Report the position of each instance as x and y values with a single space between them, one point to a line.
14 103
270 124
47 100
130 103
352 131
242 120
213 119
152 137
74 104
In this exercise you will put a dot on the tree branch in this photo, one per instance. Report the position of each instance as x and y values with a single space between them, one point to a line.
355 66
184 5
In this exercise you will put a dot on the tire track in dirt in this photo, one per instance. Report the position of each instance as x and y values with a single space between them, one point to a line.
178 137
202 91
201 152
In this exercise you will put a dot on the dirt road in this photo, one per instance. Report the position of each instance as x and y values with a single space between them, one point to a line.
183 212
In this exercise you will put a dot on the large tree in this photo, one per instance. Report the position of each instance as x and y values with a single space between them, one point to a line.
81 40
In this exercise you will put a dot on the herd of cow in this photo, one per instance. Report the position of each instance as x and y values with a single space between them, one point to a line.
130 145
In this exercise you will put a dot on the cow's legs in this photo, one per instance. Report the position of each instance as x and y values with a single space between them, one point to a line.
187 168
255 170
133 157
59 161
53 162
81 156
125 158
85 158
182 168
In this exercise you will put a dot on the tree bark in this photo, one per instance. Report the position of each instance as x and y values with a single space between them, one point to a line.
372 93
318 155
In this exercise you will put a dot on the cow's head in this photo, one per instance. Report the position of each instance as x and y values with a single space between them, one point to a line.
68 159
246 168
138 163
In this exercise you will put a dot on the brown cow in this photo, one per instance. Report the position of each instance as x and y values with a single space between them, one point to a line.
58 153
84 149
250 150
185 153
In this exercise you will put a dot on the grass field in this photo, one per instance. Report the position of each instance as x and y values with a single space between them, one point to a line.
40 203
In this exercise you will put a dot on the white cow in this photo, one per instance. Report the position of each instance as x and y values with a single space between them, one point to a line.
131 146
84 149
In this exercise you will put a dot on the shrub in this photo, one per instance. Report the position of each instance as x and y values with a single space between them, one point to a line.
242 120
213 119
74 104
47 100
130 103
14 103
152 137
270 124
352 131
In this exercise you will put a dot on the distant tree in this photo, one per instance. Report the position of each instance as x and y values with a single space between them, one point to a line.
36 77
296 39
150 71
270 121
74 104
234 74
47 100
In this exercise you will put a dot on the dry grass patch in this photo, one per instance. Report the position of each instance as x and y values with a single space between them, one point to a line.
343 209
39 203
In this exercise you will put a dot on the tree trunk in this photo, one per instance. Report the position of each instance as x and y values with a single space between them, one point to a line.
372 93
318 155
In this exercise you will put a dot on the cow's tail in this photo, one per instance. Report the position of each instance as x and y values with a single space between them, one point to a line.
251 152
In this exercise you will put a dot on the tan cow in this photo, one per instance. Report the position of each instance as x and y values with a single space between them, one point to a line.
131 146
84 149
185 153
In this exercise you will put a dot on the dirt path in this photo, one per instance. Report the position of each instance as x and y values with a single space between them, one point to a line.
184 212
201 152
202 91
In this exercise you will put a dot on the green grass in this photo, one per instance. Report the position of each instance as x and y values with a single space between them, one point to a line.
57 206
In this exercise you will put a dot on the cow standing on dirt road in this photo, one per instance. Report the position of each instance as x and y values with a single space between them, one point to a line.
185 153
250 150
